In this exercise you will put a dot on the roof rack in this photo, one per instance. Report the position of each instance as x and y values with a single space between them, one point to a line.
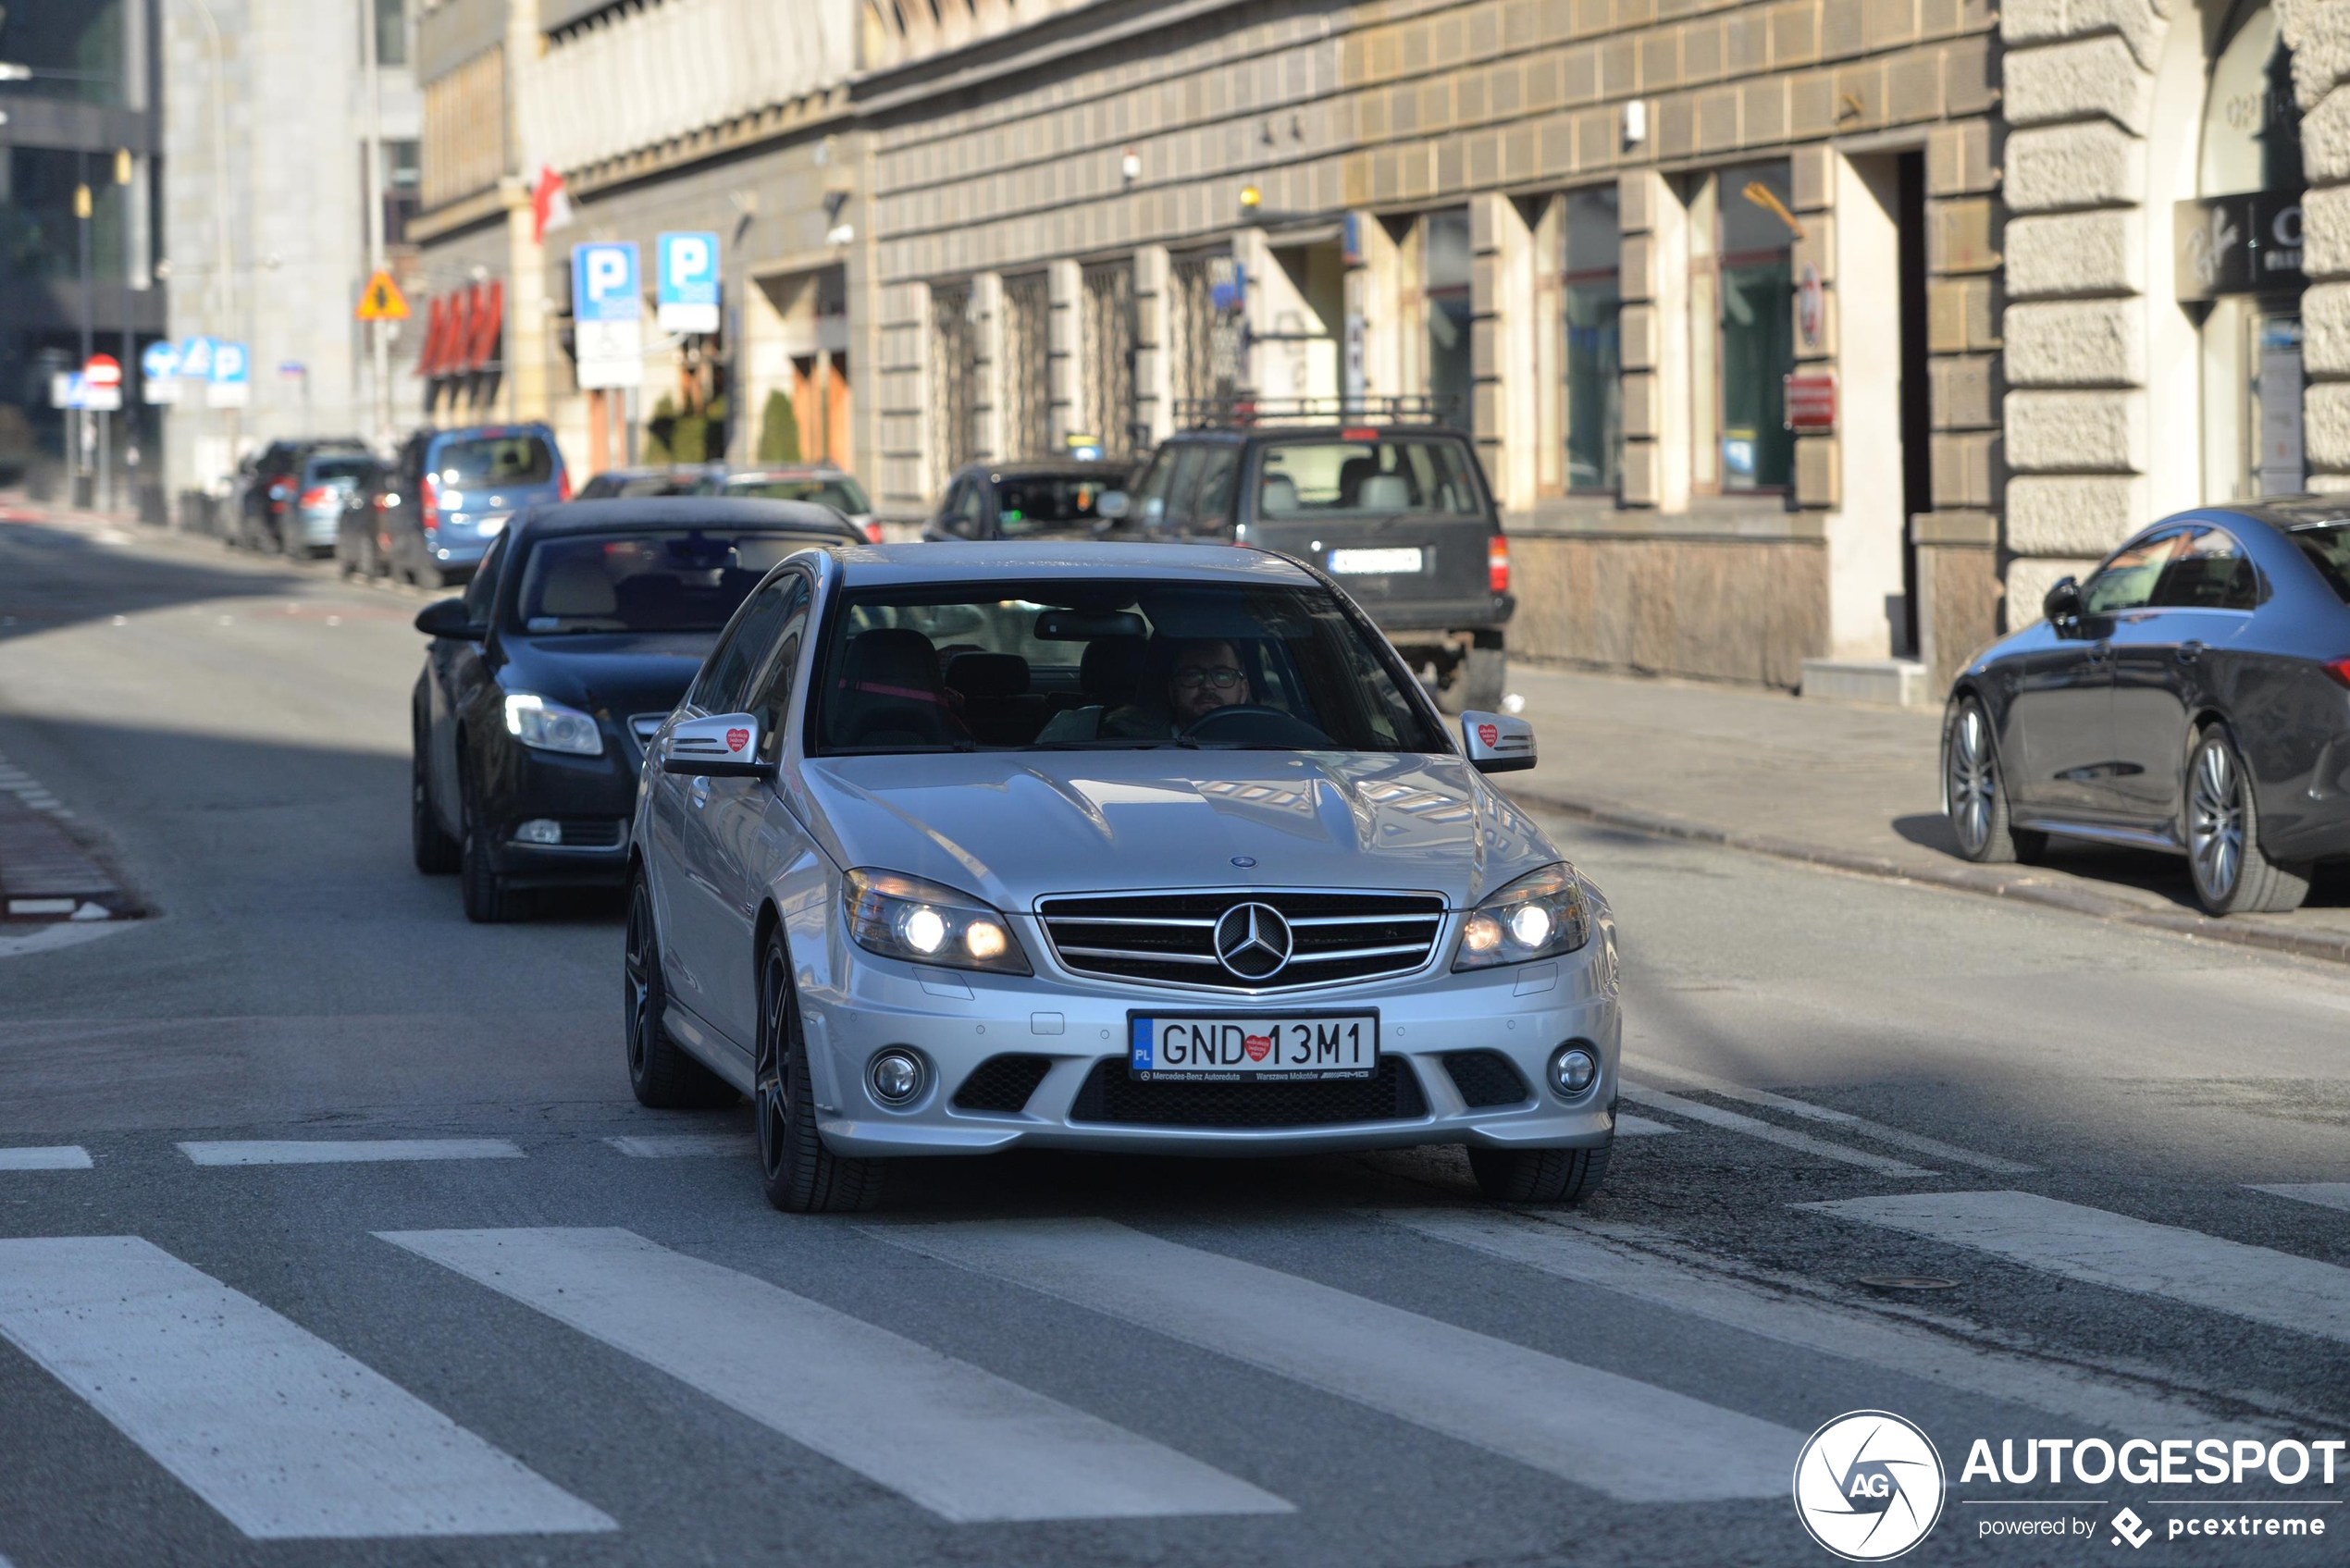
1244 411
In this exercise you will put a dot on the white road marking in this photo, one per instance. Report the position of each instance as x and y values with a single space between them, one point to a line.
1630 1440
1629 1126
961 1441
2332 1195
1584 1251
1753 1127
337 1150
59 1157
285 1434
683 1145
1916 1143
2128 1254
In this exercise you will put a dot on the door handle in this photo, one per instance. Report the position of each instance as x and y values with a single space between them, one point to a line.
700 790
2190 650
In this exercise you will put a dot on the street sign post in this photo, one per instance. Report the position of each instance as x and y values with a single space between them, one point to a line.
687 296
608 311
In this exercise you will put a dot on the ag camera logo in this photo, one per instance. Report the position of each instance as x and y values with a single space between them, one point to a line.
1868 1486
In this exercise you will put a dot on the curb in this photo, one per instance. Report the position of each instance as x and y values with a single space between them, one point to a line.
1964 878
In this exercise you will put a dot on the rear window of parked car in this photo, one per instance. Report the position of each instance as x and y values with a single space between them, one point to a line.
670 580
326 470
2326 547
495 459
840 493
1365 479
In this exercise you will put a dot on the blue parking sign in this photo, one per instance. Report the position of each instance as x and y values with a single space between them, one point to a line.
686 291
604 284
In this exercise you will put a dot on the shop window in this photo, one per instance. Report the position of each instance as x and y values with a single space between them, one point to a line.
1444 257
1592 302
1755 282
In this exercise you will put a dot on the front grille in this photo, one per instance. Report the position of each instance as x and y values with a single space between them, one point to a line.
1002 1083
1169 938
591 833
1111 1094
1484 1077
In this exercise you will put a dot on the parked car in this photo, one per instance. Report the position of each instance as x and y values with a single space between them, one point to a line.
1026 500
324 486
271 490
1260 901
2190 696
818 482
569 647
452 492
1400 510
678 479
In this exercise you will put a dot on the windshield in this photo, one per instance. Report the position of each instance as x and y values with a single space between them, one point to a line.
1365 479
1107 665
495 459
339 470
1026 504
835 490
2328 548
661 580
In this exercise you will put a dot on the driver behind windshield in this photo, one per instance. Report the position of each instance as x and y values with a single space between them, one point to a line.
1205 675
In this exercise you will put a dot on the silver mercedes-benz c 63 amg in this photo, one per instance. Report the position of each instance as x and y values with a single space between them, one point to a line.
954 849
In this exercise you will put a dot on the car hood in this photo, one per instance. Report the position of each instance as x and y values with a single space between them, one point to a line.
1013 827
616 674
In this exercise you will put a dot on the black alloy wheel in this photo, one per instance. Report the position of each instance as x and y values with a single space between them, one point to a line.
1977 792
663 1076
2222 825
797 1173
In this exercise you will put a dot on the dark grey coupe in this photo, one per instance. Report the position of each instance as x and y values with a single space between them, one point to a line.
2193 696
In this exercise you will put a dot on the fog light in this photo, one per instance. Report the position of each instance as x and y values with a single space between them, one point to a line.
897 1076
539 829
1573 1069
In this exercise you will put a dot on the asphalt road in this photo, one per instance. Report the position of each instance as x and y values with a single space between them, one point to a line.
549 1346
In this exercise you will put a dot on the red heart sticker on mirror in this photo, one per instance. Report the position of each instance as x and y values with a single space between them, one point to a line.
1489 734
737 739
1258 1045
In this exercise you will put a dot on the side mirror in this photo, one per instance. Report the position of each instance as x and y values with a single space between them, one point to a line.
447 618
1113 505
2063 600
1497 743
724 746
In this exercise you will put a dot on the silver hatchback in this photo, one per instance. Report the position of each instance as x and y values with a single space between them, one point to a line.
953 849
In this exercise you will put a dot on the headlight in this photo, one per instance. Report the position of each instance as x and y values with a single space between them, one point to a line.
903 917
544 727
1535 916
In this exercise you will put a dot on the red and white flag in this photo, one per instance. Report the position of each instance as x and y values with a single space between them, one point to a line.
550 204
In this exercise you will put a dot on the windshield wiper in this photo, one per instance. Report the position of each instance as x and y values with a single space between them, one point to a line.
1113 743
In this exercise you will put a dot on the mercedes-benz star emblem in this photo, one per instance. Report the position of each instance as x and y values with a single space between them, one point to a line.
1253 940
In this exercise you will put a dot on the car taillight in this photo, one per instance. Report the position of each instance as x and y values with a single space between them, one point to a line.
2340 670
562 484
318 495
428 504
872 533
1497 563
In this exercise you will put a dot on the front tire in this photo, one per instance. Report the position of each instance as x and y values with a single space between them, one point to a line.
488 900
797 1173
436 853
2232 874
1563 1178
1478 685
664 1078
1977 788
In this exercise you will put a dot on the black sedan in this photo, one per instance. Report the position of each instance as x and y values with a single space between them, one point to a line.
2193 696
583 628
1027 500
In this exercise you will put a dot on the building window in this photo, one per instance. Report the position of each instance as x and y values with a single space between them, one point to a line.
1756 286
1028 367
401 189
954 354
391 33
75 50
1593 358
1444 261
1107 335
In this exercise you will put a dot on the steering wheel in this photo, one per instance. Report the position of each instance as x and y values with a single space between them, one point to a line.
1286 727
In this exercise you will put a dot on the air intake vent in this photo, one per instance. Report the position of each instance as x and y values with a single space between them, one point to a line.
1002 1083
1171 938
1485 1077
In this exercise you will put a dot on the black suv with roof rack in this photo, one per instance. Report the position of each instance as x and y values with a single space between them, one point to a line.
1382 495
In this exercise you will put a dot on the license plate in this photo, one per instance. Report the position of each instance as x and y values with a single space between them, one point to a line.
1220 1048
1373 562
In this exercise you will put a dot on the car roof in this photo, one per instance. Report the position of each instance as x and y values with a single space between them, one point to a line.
787 471
1073 560
1048 468
621 513
2288 512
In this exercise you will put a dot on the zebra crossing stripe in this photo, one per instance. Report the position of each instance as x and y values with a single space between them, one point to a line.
684 1145
286 1435
960 1441
62 1156
2330 1194
339 1151
1770 1132
1630 1440
2114 1250
1900 1138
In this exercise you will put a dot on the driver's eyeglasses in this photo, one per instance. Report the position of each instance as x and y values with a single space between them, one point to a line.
1224 677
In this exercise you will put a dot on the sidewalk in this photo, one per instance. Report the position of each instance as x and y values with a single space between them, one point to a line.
1841 785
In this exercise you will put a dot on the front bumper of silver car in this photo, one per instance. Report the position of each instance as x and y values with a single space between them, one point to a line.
957 1022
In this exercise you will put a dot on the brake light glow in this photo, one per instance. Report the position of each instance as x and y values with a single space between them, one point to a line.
872 533
1358 435
1497 563
2340 670
562 484
315 495
428 504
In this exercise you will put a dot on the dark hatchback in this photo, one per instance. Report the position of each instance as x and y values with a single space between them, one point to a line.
579 634
2192 696
1027 500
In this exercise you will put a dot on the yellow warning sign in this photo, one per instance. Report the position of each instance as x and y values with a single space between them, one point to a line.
381 299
